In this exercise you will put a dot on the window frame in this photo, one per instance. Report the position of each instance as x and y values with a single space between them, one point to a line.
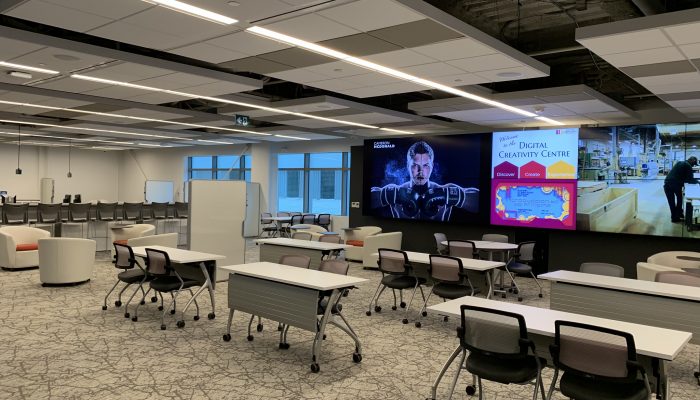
243 172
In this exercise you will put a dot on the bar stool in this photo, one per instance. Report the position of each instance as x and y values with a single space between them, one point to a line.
15 214
159 212
106 212
49 214
79 213
181 214
133 212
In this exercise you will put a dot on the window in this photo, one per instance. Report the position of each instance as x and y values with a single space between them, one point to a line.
223 168
314 182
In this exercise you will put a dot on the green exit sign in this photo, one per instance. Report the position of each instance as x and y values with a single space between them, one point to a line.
242 120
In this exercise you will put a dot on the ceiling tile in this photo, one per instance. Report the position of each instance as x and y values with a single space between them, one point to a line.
47 56
15 48
587 106
255 64
68 84
644 57
106 8
137 35
55 15
496 75
312 27
336 85
247 43
296 57
129 72
624 42
371 79
485 63
418 33
677 83
216 88
458 79
117 92
359 45
691 50
209 53
664 68
454 49
382 90
337 69
366 15
177 24
431 70
685 33
400 58
299 75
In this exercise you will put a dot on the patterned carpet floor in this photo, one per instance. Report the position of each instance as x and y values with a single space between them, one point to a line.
57 343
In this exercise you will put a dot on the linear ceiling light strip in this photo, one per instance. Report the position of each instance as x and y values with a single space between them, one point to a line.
194 11
290 40
28 68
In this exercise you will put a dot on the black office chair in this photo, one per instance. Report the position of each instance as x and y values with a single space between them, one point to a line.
308 219
598 363
324 220
335 239
499 349
519 264
439 247
165 278
49 214
450 281
397 274
269 227
132 273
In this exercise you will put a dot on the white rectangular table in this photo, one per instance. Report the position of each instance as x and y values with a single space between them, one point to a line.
656 345
278 222
289 295
470 264
205 261
272 249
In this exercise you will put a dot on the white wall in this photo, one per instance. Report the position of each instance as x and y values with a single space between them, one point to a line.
95 173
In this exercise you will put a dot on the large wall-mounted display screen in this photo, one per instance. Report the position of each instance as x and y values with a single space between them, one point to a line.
437 178
534 178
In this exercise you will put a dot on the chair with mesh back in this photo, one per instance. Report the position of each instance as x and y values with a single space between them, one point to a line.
597 363
284 225
519 264
499 350
598 268
269 227
131 273
301 235
164 278
681 278
397 274
335 239
450 281
308 219
324 220
106 212
467 249
133 212
49 214
441 248
15 214
494 237
79 213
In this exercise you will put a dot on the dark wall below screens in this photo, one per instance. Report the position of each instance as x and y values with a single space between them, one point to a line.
556 249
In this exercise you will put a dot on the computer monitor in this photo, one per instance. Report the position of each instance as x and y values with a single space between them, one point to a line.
66 199
77 198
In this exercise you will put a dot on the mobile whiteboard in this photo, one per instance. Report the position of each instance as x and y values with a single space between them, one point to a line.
160 191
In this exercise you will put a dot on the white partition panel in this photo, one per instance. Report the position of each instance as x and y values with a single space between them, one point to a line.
217 212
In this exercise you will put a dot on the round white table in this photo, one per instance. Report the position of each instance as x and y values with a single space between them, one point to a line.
490 247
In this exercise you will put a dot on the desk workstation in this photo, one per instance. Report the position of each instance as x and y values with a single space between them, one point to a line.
655 346
272 249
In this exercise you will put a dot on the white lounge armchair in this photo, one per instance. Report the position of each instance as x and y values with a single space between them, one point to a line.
122 235
316 231
165 239
356 238
66 260
388 240
666 261
19 246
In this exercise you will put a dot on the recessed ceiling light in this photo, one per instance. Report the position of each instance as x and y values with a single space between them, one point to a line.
511 74
29 68
292 137
20 74
212 141
194 11
66 57
78 128
290 40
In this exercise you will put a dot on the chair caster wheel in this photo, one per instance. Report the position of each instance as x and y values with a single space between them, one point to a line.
424 313
259 328
227 337
503 296
196 318
402 304
250 338
134 318
280 327
377 308
211 315
368 313
315 368
324 336
345 294
154 299
180 324
172 312
142 302
471 390
393 308
356 357
405 321
418 324
510 290
515 291
284 346
104 308
540 295
118 303
163 327
160 308
127 315
520 299
445 319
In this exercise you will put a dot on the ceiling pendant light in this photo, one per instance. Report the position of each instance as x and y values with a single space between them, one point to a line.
70 145
18 171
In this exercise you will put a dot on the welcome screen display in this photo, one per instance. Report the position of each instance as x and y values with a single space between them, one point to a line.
534 178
